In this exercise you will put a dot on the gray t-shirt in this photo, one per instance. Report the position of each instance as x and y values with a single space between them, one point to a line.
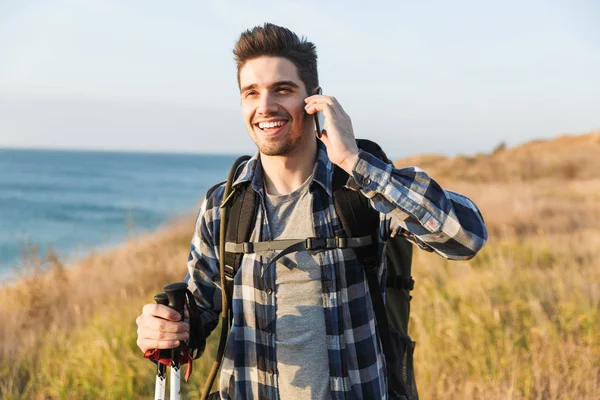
300 335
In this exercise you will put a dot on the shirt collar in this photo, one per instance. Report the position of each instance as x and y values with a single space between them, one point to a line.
322 174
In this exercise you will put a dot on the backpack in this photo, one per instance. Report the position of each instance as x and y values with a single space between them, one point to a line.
360 223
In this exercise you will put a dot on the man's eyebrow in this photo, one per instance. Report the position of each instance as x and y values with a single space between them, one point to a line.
248 87
276 84
285 83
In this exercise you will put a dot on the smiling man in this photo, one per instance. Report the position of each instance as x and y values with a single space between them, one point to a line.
303 323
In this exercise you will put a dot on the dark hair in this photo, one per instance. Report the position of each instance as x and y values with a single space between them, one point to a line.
277 41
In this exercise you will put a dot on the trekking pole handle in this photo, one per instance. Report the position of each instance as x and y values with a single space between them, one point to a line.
176 295
162 298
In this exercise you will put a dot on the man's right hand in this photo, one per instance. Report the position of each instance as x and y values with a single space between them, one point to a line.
160 327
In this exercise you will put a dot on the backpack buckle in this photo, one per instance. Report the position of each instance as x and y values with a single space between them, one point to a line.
228 271
248 247
341 242
315 243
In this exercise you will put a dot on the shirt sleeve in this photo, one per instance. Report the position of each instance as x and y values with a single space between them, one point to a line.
203 277
420 209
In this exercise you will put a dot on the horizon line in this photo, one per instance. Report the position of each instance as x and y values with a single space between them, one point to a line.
121 151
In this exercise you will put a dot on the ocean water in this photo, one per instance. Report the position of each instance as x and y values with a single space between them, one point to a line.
78 201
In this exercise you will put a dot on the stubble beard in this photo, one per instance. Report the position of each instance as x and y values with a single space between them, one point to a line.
282 146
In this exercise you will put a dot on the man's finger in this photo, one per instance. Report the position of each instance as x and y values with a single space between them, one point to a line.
317 103
321 99
162 335
161 311
148 344
163 325
325 102
314 106
173 336
327 111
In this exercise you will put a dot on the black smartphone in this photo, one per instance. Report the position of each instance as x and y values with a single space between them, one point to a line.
319 119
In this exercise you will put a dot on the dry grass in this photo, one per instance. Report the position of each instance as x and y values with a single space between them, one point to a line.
520 321
566 157
54 319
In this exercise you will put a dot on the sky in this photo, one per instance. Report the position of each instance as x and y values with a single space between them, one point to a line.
451 77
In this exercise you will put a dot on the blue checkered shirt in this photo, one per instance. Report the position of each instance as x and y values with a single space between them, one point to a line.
409 202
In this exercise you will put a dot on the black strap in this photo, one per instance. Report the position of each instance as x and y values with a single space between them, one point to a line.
358 218
242 215
373 148
197 341
400 282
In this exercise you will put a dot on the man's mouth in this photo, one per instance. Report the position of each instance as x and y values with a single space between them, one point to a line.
271 127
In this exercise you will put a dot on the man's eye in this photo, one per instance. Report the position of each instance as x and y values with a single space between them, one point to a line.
250 93
283 90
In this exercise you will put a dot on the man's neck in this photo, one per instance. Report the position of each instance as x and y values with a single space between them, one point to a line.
284 174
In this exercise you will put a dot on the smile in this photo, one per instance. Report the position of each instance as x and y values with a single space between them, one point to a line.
270 126
263 125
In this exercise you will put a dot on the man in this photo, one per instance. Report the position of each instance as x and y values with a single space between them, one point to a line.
304 327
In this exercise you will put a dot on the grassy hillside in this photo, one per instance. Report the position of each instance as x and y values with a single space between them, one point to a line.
520 321
566 157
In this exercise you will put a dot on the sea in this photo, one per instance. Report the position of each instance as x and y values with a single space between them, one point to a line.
75 202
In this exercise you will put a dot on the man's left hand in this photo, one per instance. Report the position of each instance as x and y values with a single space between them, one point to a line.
338 135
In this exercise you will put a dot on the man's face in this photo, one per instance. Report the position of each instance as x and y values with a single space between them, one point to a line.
273 104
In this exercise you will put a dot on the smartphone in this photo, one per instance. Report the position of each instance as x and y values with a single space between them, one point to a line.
319 119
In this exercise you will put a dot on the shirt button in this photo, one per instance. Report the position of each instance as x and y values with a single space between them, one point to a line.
367 181
270 372
268 291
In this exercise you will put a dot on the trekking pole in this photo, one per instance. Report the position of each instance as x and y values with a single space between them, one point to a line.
176 294
161 369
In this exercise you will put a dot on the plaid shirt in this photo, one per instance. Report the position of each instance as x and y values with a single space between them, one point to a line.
410 203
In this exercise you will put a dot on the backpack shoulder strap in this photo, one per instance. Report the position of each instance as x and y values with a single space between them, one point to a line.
358 218
373 148
241 216
239 225
225 262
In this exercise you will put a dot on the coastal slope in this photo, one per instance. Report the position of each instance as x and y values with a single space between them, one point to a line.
518 321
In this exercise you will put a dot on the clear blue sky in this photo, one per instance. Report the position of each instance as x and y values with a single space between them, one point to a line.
430 76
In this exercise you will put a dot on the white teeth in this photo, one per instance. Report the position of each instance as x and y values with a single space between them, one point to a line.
263 125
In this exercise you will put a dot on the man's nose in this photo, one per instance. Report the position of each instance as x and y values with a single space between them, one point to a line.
266 104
